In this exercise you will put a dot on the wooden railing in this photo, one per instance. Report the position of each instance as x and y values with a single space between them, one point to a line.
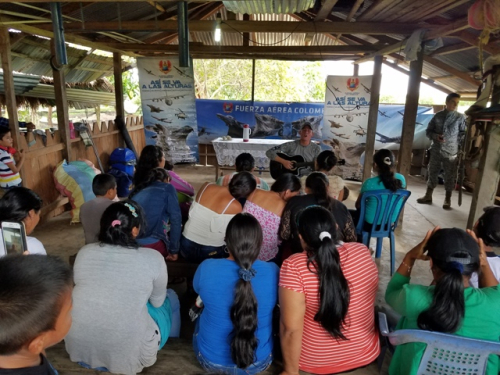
42 157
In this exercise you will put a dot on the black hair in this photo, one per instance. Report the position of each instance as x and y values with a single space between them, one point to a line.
3 131
318 184
242 185
488 226
150 158
117 222
244 162
453 95
243 240
447 310
286 181
326 160
31 290
156 174
385 163
324 258
17 202
102 183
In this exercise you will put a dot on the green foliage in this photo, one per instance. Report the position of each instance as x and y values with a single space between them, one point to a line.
282 81
130 83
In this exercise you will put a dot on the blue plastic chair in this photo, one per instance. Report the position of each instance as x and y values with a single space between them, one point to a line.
445 354
383 215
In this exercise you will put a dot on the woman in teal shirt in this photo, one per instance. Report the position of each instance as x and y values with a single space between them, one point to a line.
383 164
452 305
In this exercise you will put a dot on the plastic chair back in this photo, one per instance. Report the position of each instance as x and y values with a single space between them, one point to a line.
382 222
445 353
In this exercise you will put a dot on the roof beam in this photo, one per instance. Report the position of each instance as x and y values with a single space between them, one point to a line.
447 68
452 49
469 38
69 38
199 48
325 10
250 26
453 27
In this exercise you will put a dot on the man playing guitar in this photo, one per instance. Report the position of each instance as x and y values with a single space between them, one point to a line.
303 147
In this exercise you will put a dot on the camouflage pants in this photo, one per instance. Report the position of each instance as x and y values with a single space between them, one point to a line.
449 165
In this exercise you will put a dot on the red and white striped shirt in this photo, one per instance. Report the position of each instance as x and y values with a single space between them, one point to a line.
321 353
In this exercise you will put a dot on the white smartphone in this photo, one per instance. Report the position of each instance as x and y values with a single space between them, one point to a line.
14 237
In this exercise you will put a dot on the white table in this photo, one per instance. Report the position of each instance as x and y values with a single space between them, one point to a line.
227 151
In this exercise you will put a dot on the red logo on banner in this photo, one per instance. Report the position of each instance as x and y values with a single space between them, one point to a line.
165 66
227 107
352 83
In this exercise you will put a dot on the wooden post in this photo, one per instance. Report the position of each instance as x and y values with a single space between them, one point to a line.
61 107
356 70
8 81
488 176
410 115
253 80
372 117
117 69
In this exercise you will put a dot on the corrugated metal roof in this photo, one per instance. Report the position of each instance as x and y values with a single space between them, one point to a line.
22 83
268 6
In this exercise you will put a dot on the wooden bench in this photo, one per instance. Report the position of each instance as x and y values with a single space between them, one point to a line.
181 268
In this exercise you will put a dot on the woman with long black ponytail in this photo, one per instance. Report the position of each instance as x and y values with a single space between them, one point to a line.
234 332
327 298
452 305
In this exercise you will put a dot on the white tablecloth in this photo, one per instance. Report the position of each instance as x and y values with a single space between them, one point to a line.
227 151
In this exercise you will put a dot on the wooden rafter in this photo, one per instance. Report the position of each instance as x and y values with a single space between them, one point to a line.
447 68
453 48
254 26
325 10
453 27
469 38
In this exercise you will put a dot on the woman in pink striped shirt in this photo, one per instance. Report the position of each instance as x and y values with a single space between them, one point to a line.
327 298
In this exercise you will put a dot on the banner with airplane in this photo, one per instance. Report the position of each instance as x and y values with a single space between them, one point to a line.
347 101
168 107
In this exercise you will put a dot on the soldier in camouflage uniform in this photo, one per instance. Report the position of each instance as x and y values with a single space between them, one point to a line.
446 130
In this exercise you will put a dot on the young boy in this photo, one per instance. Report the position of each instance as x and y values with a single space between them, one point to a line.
9 170
35 306
104 188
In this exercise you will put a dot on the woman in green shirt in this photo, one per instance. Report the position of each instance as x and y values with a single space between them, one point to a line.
451 305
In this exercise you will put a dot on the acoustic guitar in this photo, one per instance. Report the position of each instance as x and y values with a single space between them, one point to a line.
277 169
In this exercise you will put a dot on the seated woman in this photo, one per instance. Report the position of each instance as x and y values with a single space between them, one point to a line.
244 162
162 214
450 306
327 299
325 162
383 164
121 312
316 194
153 157
234 333
487 228
267 207
214 207
22 205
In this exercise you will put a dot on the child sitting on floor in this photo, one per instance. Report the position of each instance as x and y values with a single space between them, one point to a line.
35 305
104 188
9 168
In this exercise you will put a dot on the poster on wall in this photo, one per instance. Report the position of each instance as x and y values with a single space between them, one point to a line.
347 103
218 118
168 107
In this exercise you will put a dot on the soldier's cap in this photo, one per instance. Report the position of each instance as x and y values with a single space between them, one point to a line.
453 245
306 124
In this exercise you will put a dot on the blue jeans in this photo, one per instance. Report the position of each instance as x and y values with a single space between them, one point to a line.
195 253
215 368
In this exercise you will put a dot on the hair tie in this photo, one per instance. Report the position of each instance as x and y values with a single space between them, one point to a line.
457 266
322 235
115 223
131 209
247 275
387 160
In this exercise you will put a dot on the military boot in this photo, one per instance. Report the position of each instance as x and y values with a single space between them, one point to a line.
427 198
447 201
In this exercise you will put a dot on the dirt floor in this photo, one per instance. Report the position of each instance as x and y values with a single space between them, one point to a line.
61 238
